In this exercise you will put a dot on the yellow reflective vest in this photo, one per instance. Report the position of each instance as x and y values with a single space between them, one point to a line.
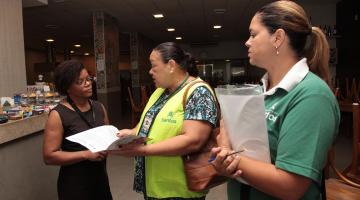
165 174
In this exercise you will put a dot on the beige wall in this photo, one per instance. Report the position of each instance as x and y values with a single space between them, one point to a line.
23 172
12 58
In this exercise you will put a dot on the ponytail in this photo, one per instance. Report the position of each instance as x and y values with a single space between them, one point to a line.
190 65
317 54
306 41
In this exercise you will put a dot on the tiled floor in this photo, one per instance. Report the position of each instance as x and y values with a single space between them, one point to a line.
120 169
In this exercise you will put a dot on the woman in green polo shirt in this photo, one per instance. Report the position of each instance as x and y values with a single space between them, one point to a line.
159 171
304 112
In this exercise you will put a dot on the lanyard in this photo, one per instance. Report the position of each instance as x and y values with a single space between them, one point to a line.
165 97
151 115
72 104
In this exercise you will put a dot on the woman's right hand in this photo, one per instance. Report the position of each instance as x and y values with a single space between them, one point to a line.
224 163
98 156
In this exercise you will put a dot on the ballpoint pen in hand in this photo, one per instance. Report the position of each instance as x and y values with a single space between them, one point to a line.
212 158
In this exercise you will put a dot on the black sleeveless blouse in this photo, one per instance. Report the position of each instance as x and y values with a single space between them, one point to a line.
72 123
85 179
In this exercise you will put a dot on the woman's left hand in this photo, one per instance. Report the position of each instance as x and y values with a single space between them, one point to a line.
130 150
224 164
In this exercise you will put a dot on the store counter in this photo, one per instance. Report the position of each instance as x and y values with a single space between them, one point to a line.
23 172
15 129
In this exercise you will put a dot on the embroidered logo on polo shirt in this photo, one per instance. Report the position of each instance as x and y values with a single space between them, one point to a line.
270 114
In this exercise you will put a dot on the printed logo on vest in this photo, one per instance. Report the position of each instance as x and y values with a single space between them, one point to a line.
169 118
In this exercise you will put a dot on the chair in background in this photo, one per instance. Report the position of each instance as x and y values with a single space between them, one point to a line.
347 184
136 110
349 92
144 96
353 171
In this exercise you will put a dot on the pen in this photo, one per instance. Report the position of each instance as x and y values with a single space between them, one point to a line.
212 158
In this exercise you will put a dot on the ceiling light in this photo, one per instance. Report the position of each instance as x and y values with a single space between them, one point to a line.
220 11
227 60
178 38
86 54
77 45
51 26
170 29
72 51
50 40
217 26
159 15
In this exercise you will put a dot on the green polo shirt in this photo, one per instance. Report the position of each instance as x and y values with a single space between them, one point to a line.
302 117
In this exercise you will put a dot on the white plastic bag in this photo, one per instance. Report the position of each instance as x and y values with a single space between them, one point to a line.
243 111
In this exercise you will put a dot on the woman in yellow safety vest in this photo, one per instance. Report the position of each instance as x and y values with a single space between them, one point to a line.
159 171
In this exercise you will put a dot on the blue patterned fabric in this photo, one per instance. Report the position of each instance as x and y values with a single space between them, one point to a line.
201 106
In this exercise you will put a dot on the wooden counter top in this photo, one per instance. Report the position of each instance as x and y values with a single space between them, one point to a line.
20 128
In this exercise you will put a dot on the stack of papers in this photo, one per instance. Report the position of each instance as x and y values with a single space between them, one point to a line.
102 138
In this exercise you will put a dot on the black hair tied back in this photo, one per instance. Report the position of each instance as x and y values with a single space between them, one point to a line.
172 51
191 65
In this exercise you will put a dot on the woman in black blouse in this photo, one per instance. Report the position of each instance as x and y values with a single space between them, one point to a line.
82 173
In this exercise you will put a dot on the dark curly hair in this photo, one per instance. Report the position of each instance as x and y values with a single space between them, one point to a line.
67 73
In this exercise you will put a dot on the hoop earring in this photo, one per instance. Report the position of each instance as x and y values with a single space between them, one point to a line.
277 51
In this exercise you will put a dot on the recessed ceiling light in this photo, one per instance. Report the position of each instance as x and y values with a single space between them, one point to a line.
86 54
170 29
51 26
77 45
50 40
178 38
72 51
220 11
227 60
217 26
159 15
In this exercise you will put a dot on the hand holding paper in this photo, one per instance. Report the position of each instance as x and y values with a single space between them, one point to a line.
102 138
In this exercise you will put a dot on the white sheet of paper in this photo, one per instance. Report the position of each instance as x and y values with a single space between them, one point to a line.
101 138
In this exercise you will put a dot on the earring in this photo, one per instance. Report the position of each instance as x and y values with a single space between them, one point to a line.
277 51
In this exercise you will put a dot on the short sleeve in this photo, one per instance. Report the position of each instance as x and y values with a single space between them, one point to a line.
201 106
306 134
